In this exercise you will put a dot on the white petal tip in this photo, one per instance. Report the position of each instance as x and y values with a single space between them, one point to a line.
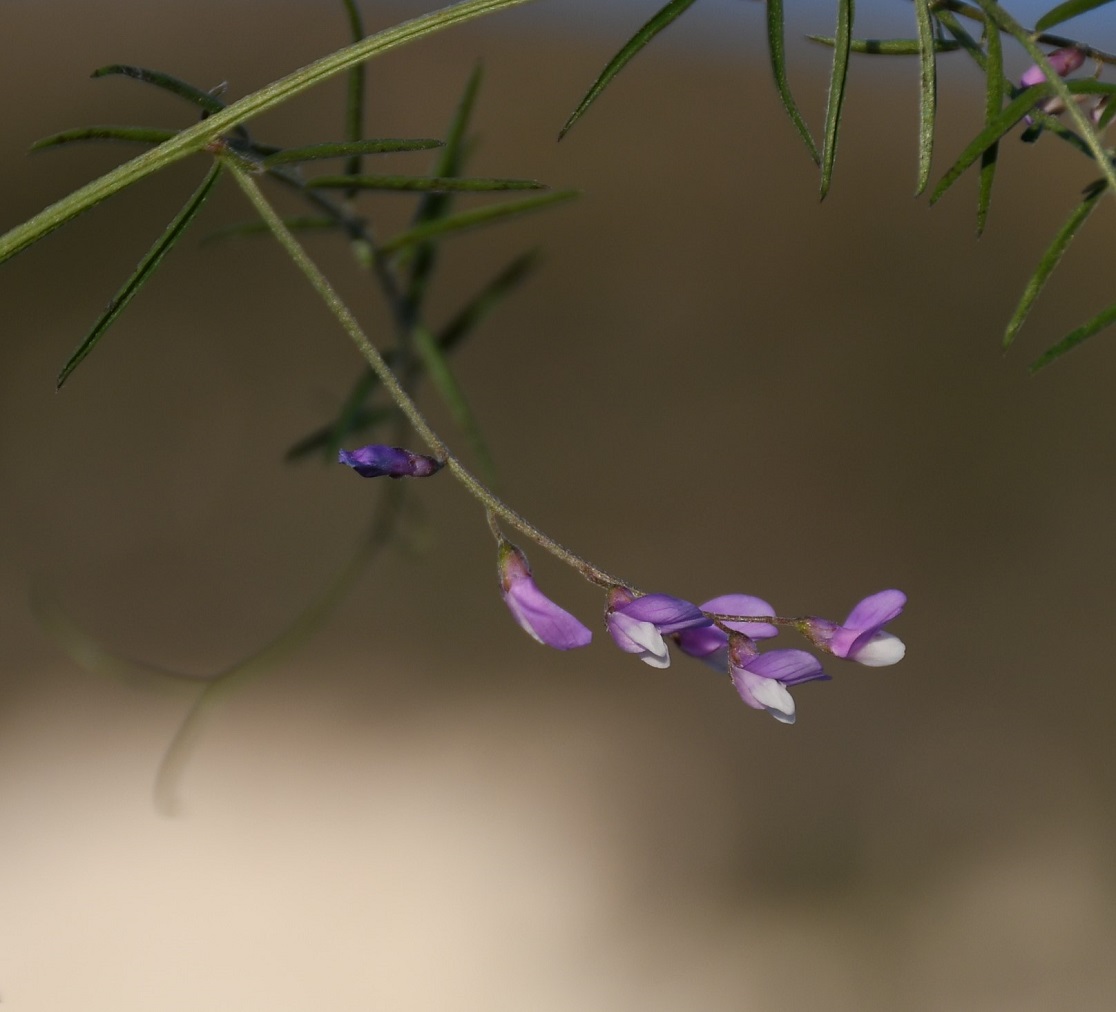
883 649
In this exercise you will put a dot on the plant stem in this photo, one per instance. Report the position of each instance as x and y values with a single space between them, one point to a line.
209 130
348 321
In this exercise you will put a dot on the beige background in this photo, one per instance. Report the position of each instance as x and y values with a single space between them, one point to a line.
714 384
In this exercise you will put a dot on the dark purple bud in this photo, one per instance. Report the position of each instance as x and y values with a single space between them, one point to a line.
377 460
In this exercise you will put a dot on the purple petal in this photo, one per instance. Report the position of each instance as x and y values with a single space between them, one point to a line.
764 694
787 666
876 611
702 642
377 460
668 614
743 604
636 637
538 616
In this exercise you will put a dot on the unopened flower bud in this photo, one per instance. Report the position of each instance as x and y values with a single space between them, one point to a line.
377 460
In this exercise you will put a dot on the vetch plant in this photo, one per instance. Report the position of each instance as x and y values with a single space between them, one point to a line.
380 415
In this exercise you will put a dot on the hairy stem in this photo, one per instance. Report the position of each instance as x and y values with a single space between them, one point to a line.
318 281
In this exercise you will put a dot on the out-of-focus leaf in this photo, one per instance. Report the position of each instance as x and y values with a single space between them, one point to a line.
206 100
137 135
433 205
842 38
354 97
143 271
660 20
928 92
355 419
472 218
1051 258
346 149
1065 11
993 103
491 295
248 228
328 439
441 184
1011 114
889 47
1103 319
776 48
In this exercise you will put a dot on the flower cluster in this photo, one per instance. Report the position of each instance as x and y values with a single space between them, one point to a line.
723 632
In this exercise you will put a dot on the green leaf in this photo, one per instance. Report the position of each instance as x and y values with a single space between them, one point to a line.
1011 114
777 50
993 103
347 149
842 38
889 47
948 20
143 272
1051 258
206 100
138 135
928 92
487 299
472 218
298 223
441 184
354 96
202 134
433 206
1065 90
329 438
1103 319
665 16
1065 11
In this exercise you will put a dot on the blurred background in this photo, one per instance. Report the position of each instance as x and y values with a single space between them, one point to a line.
713 384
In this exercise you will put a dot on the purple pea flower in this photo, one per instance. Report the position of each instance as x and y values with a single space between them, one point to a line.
762 679
710 644
1064 61
637 625
861 638
377 460
539 617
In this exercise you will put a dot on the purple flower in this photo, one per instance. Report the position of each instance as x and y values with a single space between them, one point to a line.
377 459
862 638
638 625
762 679
1063 61
539 617
710 644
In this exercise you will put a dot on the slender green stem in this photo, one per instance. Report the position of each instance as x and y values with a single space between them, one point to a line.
387 377
205 133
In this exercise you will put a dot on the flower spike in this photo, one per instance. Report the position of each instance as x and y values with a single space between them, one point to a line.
538 616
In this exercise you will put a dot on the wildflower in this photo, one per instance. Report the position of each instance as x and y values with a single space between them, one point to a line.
377 459
861 638
637 625
710 643
1063 61
762 679
539 617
